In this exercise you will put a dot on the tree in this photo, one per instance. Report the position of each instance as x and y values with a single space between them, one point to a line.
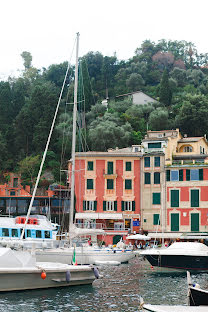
158 119
28 168
27 59
165 93
134 82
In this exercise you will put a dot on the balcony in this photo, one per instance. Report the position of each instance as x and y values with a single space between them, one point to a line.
108 175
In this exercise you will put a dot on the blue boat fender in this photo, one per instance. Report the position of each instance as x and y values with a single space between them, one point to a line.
96 272
68 276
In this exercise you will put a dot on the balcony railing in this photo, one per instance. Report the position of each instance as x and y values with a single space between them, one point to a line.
106 174
100 226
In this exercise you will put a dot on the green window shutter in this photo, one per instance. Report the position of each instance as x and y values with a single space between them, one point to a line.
110 167
109 184
128 166
156 219
147 178
187 174
194 198
201 174
104 205
90 165
181 175
133 206
194 222
174 222
115 205
157 161
84 205
174 198
156 198
128 184
122 205
147 162
156 177
89 184
95 205
167 175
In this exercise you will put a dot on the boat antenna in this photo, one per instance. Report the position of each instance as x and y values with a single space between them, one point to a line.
44 154
74 137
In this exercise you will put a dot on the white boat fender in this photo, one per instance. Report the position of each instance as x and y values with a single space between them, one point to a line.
68 276
96 272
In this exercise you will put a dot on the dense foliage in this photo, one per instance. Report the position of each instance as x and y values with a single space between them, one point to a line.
173 72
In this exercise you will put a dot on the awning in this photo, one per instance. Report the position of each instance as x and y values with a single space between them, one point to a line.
165 235
108 216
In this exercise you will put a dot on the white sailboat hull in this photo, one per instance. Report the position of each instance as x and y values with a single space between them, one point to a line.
84 255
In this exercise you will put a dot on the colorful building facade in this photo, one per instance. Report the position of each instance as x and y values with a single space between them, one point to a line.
107 190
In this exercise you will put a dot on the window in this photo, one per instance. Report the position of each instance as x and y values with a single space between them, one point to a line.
128 165
156 177
181 175
174 198
174 176
156 198
47 234
29 233
15 233
110 167
167 175
128 205
154 145
187 149
201 174
187 174
109 205
156 219
90 165
147 162
194 175
5 232
128 184
38 234
147 178
109 184
12 193
89 205
89 184
157 161
194 198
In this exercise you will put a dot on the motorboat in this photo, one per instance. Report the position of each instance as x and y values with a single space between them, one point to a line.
196 295
180 255
20 271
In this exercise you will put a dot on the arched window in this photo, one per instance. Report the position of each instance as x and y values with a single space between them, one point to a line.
187 149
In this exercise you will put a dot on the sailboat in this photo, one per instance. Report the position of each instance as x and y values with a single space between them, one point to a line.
84 254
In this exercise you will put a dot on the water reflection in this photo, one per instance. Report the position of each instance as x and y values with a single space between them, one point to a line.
119 290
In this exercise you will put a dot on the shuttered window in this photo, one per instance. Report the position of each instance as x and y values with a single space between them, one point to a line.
187 174
167 175
110 167
147 162
181 175
174 222
109 184
156 219
128 184
128 165
157 161
156 177
89 184
194 198
174 198
201 174
156 198
90 165
147 178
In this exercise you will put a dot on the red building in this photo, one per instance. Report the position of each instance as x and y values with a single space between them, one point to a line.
107 190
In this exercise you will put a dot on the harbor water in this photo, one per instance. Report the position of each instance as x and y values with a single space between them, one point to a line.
119 290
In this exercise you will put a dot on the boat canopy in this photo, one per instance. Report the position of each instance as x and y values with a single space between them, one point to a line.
74 231
138 237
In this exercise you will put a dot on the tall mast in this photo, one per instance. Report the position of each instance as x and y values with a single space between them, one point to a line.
74 137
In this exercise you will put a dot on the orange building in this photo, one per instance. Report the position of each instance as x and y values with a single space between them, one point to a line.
107 190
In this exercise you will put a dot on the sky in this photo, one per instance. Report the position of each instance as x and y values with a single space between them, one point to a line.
47 28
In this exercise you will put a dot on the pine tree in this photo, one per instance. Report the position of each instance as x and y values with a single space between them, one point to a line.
165 93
